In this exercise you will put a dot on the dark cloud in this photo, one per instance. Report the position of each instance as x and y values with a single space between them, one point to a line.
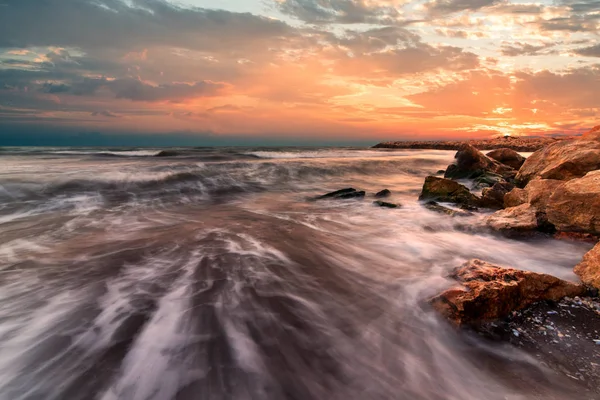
451 6
592 51
339 11
105 113
506 7
572 23
91 24
582 6
524 49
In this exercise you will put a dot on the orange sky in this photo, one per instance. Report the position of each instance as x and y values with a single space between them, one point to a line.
336 69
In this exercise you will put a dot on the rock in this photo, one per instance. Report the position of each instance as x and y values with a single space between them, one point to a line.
563 160
447 190
494 197
515 198
507 157
490 292
488 179
348 193
435 207
539 192
471 163
519 219
575 205
441 172
594 134
589 268
166 153
383 193
386 204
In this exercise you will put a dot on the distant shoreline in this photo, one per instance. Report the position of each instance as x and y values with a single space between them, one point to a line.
514 143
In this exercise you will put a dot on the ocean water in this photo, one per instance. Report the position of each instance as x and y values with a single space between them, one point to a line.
210 274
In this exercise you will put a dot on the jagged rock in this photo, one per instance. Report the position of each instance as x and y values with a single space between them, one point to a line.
563 160
447 190
471 163
494 197
348 193
594 134
507 157
518 219
490 292
383 193
575 205
515 198
386 204
435 207
589 268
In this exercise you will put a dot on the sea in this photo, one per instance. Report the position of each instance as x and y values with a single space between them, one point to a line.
212 273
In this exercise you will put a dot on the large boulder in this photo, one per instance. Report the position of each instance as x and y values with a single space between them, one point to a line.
575 205
471 163
488 292
507 157
494 197
522 218
589 268
539 192
446 190
562 160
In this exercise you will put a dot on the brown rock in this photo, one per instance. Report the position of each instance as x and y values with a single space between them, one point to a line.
563 160
494 197
594 134
489 292
471 163
434 206
589 268
519 219
539 192
575 205
447 190
515 198
507 157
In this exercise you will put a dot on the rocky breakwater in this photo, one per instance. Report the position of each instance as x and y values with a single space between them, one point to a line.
518 143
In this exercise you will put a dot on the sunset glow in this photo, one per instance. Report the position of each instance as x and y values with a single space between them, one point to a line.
335 69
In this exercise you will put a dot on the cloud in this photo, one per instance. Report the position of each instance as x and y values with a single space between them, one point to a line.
451 6
342 11
130 25
105 113
591 51
524 49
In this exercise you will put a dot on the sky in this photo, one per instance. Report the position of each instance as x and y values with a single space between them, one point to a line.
295 71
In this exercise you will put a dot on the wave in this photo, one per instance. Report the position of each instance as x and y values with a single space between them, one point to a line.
122 153
349 153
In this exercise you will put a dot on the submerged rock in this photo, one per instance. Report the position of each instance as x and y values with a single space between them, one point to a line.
589 268
575 205
471 163
507 157
488 179
564 160
446 190
436 207
348 193
382 194
166 153
386 204
489 292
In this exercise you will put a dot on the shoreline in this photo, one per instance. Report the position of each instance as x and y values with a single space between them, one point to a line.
528 144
